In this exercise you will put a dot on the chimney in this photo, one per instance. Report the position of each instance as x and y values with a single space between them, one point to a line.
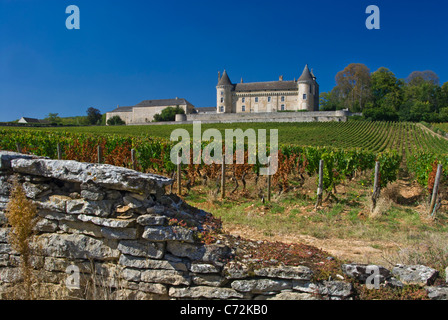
241 79
280 78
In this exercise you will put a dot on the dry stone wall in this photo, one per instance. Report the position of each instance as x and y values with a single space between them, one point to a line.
126 239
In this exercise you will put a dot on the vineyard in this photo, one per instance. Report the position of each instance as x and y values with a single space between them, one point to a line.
346 148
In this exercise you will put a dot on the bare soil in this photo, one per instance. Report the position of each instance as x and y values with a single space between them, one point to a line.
351 250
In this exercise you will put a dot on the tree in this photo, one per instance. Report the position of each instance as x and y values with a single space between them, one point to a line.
168 114
353 86
115 120
93 116
418 77
54 119
386 96
329 101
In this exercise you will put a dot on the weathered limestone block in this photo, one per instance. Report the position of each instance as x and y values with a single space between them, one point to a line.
3 219
145 263
203 268
152 220
286 272
172 233
335 288
4 260
236 270
76 246
361 272
55 203
172 277
54 215
5 186
92 196
156 210
77 227
107 222
437 293
305 286
213 280
214 253
6 248
131 274
33 191
4 234
60 265
120 233
261 285
415 274
45 225
126 294
205 292
98 208
7 156
104 175
10 275
141 248
157 288
292 296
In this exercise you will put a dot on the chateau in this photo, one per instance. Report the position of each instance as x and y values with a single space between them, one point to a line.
272 96
271 101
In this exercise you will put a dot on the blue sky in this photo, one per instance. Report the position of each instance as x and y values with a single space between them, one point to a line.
129 51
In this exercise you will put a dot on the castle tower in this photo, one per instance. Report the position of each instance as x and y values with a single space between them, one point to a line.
224 94
308 98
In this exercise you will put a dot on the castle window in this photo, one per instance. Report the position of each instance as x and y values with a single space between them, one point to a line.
243 100
269 99
221 109
304 96
222 93
222 100
256 99
282 107
243 108
283 99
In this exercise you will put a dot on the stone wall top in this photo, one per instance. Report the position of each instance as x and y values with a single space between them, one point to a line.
104 175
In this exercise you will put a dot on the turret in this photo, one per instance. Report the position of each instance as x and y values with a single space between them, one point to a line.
307 87
224 94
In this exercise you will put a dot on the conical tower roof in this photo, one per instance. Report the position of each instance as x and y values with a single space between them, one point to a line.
224 81
306 75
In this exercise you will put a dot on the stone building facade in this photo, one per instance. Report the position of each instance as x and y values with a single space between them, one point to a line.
144 111
272 96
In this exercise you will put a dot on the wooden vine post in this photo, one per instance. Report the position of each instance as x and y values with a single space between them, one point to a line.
179 177
435 191
133 159
376 186
59 151
19 148
269 179
100 154
320 187
223 177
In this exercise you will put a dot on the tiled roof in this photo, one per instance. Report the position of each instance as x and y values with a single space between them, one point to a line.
162 102
266 86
